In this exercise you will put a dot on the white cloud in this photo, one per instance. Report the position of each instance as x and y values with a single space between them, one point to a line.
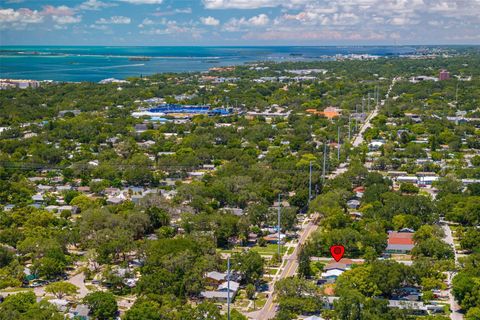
242 24
67 19
159 13
210 21
143 1
260 20
57 11
98 27
172 27
146 22
240 4
114 20
95 5
19 19
184 10
352 20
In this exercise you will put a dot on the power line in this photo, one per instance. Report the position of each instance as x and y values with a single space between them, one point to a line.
43 166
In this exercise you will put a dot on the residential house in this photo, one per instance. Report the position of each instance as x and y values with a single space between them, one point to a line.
222 292
375 145
273 238
415 307
225 286
8 207
38 198
80 312
215 278
218 296
332 275
356 215
400 242
407 179
353 204
234 211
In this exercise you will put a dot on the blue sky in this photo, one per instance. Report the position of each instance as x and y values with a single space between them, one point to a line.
239 22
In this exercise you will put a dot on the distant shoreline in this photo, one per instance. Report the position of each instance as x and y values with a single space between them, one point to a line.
95 63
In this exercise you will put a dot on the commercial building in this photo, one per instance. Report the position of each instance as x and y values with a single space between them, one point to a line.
328 112
18 83
181 111
444 75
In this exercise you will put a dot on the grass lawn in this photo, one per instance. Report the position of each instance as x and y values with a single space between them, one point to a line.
272 271
239 249
261 300
269 250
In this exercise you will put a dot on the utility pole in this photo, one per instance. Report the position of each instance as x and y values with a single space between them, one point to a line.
228 288
278 227
310 184
456 96
349 119
368 102
338 143
363 104
324 160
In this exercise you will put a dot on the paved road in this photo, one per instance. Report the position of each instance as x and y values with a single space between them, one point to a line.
290 265
77 280
359 138
454 307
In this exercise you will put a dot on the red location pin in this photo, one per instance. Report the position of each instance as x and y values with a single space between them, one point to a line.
337 252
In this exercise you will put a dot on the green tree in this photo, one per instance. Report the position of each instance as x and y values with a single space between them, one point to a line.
145 310
409 188
61 289
250 290
473 314
250 264
102 305
23 306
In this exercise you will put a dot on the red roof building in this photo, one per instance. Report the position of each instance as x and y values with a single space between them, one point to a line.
400 242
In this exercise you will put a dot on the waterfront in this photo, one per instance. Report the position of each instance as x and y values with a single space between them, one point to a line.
94 63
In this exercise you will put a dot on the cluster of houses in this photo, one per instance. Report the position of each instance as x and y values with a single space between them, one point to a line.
422 179
407 297
52 190
71 310
222 289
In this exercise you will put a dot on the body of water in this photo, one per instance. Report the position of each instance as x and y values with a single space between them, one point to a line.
94 63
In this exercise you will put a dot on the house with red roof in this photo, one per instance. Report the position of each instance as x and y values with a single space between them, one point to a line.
400 242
